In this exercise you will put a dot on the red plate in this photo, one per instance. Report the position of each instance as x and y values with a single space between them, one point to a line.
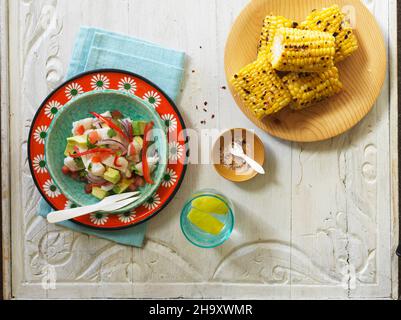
117 80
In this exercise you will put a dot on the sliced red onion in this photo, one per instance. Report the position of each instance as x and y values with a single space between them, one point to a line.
130 130
95 179
97 125
124 126
127 128
124 129
114 144
107 186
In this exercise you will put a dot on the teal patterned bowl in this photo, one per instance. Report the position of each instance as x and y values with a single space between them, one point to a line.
101 101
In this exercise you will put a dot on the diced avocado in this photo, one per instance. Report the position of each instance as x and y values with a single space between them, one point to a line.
81 140
122 185
69 148
79 163
138 127
138 145
99 193
112 175
138 142
111 133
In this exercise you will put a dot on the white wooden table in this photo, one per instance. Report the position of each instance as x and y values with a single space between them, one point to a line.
322 224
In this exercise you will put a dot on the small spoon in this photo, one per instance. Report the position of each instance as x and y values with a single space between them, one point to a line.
237 151
108 204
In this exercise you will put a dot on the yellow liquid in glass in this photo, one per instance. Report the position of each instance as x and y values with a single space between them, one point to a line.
210 204
205 221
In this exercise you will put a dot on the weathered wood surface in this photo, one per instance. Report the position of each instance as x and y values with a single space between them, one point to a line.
322 224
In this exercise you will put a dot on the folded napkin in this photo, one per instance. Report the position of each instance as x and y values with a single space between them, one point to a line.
97 49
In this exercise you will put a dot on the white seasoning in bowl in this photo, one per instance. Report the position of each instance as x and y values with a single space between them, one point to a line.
233 162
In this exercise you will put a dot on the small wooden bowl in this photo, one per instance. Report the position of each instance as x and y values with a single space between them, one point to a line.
256 151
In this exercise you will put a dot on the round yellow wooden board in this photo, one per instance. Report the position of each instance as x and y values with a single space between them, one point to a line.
362 74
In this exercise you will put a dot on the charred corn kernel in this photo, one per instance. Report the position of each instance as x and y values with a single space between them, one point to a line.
270 26
326 20
260 88
309 88
346 42
332 20
302 50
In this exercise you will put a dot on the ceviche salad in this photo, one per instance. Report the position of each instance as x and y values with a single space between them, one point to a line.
110 153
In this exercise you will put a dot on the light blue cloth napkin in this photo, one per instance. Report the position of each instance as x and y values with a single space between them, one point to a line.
97 49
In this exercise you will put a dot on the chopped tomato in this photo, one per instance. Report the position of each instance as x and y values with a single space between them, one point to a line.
88 188
96 159
93 137
133 187
116 114
65 170
75 176
80 130
139 181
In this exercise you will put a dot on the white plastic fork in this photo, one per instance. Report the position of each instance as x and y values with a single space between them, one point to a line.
237 150
108 204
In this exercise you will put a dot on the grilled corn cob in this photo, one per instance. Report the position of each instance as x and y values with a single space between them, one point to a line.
302 50
326 20
270 26
346 42
309 88
260 88
332 20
